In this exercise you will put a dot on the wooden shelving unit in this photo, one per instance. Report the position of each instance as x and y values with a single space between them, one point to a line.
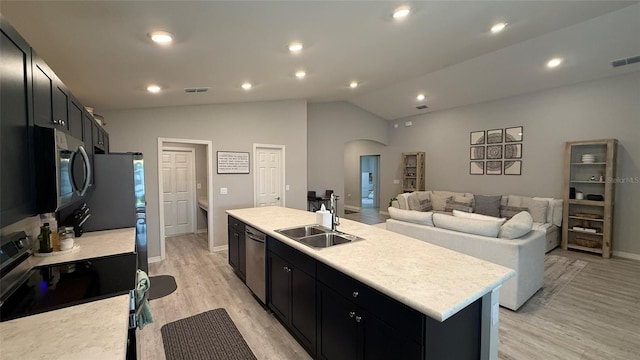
590 178
413 171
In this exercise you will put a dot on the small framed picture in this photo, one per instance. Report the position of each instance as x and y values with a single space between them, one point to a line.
476 167
513 151
513 167
494 136
513 134
476 153
494 152
494 167
477 138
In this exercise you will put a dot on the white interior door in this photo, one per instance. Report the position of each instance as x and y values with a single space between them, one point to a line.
268 176
177 176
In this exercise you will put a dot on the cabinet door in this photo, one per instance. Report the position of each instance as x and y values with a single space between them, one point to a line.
16 180
105 140
87 138
43 84
336 326
75 120
303 307
279 287
381 342
60 107
242 256
234 244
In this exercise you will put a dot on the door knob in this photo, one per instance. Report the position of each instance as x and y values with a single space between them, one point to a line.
278 198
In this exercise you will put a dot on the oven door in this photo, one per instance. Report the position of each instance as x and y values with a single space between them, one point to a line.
73 169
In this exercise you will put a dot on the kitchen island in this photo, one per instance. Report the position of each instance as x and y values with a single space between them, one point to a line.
92 330
431 280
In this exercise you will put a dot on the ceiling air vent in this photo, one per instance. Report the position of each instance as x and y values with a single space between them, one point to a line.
626 61
196 90
421 107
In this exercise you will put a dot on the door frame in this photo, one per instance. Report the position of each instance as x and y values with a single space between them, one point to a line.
210 216
376 180
282 173
194 200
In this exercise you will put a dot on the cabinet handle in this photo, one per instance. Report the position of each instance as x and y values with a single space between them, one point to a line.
358 318
61 122
352 314
285 268
355 294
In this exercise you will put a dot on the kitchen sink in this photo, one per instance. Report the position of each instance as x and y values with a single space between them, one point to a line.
317 236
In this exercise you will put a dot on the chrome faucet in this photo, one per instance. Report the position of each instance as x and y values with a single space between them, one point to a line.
335 220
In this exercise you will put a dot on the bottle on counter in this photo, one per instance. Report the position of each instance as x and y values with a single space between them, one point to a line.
66 238
50 218
44 239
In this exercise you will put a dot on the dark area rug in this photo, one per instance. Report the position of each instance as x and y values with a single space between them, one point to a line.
209 335
161 286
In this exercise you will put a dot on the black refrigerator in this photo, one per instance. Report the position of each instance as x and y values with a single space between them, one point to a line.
118 198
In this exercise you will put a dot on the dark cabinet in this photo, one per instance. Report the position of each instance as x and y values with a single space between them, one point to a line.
292 291
60 106
350 321
87 138
17 199
237 249
100 139
75 120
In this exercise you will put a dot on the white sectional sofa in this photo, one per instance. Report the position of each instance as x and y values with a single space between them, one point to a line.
524 253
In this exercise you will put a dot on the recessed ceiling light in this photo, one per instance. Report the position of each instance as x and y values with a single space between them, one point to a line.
154 89
554 62
247 86
498 27
353 84
300 74
420 97
401 12
295 47
161 37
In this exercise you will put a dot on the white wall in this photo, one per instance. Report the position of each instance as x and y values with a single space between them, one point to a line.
231 127
608 108
330 127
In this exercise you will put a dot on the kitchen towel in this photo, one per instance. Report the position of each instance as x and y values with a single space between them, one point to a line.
143 312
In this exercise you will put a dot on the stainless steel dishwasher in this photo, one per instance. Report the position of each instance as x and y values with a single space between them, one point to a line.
255 253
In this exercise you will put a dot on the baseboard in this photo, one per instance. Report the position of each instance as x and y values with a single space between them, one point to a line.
352 208
155 259
626 255
220 248
201 231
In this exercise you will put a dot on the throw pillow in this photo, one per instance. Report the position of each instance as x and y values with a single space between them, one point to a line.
418 203
487 205
518 226
439 201
509 211
469 226
452 205
478 217
416 217
537 209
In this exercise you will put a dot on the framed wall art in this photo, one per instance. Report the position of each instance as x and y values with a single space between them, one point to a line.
494 152
513 151
232 162
513 134
476 153
476 167
477 138
494 136
513 167
493 167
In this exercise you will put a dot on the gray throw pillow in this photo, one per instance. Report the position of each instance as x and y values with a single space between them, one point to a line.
509 211
456 205
487 205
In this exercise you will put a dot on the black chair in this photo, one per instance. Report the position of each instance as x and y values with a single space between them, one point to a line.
312 201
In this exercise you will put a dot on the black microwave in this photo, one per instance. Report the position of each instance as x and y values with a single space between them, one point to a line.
63 169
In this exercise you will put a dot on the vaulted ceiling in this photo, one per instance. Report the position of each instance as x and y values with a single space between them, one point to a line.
443 49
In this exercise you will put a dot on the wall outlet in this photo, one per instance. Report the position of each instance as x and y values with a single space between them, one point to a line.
396 181
198 186
287 188
224 191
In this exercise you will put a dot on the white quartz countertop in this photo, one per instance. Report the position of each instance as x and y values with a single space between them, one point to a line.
436 281
96 330
92 245
93 330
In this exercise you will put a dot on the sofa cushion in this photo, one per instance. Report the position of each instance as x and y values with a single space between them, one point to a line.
402 201
509 211
518 226
439 201
465 225
554 210
537 208
487 205
460 203
416 217
419 203
478 216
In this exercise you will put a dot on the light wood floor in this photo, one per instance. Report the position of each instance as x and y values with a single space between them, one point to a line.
594 316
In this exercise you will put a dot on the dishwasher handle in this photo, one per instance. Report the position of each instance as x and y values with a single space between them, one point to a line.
254 234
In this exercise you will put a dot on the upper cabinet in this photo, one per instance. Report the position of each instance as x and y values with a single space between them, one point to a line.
17 199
